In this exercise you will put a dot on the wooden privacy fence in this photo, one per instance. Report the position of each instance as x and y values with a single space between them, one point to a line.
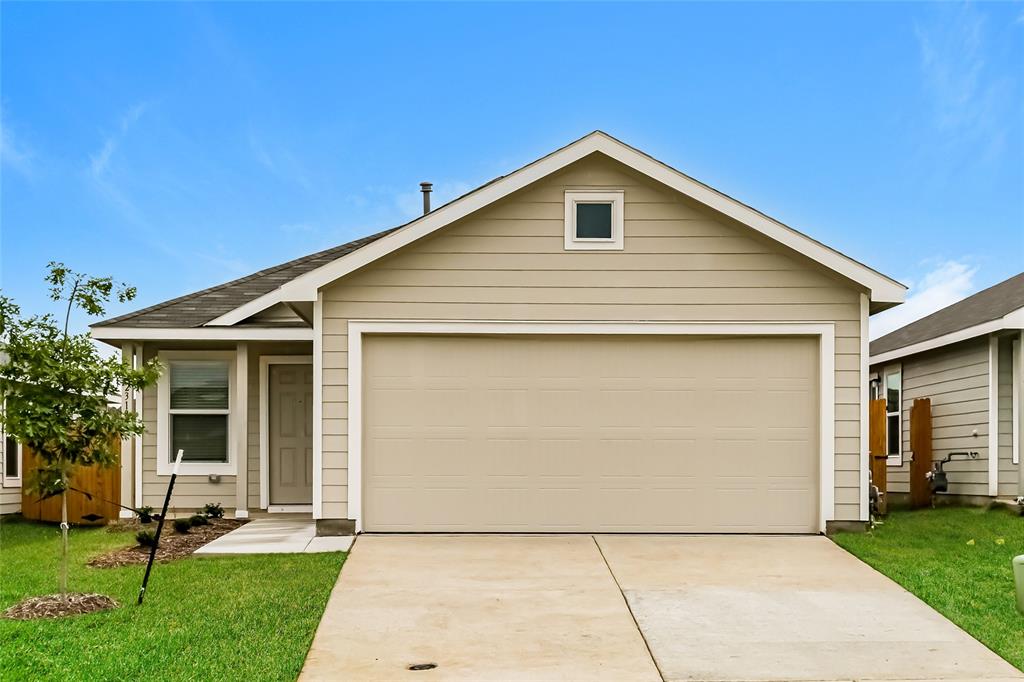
102 484
877 450
921 449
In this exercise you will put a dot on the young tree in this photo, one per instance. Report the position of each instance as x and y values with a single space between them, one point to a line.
56 386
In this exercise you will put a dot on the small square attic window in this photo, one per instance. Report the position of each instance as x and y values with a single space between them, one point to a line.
593 220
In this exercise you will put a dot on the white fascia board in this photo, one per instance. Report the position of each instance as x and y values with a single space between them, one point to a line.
304 287
1012 320
201 334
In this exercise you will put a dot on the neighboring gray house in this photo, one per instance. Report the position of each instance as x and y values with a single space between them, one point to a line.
10 469
967 359
593 342
10 476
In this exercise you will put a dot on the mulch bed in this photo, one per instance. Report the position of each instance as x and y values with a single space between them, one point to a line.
173 545
58 605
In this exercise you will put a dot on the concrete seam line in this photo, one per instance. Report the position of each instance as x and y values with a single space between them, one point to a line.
628 607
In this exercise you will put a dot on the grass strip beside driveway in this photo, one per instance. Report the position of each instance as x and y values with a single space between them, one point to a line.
958 561
230 618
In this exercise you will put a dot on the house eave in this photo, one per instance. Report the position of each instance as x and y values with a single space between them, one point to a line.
1013 320
114 334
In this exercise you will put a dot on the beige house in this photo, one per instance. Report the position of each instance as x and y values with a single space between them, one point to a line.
593 342
967 359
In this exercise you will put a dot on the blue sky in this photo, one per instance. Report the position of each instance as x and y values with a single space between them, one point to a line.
177 146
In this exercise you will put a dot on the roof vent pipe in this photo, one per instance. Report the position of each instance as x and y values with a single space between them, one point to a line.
426 188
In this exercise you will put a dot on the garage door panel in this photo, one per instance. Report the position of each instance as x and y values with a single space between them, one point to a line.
582 434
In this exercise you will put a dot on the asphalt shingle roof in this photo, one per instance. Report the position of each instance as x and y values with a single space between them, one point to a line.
984 306
196 309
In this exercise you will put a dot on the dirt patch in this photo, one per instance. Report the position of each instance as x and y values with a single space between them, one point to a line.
173 545
59 605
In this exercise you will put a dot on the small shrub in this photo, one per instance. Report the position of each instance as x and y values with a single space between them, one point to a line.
182 525
213 510
199 520
145 538
145 514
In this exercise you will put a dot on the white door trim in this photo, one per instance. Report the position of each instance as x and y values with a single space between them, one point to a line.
265 362
825 331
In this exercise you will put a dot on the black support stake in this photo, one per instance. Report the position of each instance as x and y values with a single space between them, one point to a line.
160 526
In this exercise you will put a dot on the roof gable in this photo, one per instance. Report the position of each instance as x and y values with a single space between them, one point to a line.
299 280
304 288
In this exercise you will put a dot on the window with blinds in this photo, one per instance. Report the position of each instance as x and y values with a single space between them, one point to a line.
199 410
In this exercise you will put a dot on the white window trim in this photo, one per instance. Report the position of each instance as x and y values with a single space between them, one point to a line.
164 465
12 481
824 331
604 196
897 459
265 362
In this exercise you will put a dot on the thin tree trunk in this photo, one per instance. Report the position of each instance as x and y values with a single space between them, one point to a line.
64 540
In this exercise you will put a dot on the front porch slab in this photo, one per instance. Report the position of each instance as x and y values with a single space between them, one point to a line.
275 536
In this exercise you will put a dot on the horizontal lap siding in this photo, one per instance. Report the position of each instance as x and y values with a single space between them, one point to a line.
10 500
506 262
956 380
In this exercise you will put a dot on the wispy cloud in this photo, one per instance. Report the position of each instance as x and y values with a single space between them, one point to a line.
970 100
225 261
99 163
278 160
943 285
13 152
299 228
410 204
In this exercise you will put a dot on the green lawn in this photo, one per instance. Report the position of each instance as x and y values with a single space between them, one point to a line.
958 561
231 618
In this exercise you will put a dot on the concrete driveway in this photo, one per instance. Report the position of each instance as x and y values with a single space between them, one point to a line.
488 607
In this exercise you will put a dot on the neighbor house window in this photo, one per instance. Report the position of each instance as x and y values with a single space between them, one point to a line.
594 220
893 382
11 462
195 410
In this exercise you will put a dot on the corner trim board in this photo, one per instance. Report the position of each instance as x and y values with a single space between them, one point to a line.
825 331
137 446
993 415
318 405
865 367
1017 379
241 426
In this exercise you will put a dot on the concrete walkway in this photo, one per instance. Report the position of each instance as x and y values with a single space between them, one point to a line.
630 608
275 536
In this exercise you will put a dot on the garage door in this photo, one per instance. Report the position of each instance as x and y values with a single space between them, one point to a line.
590 434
